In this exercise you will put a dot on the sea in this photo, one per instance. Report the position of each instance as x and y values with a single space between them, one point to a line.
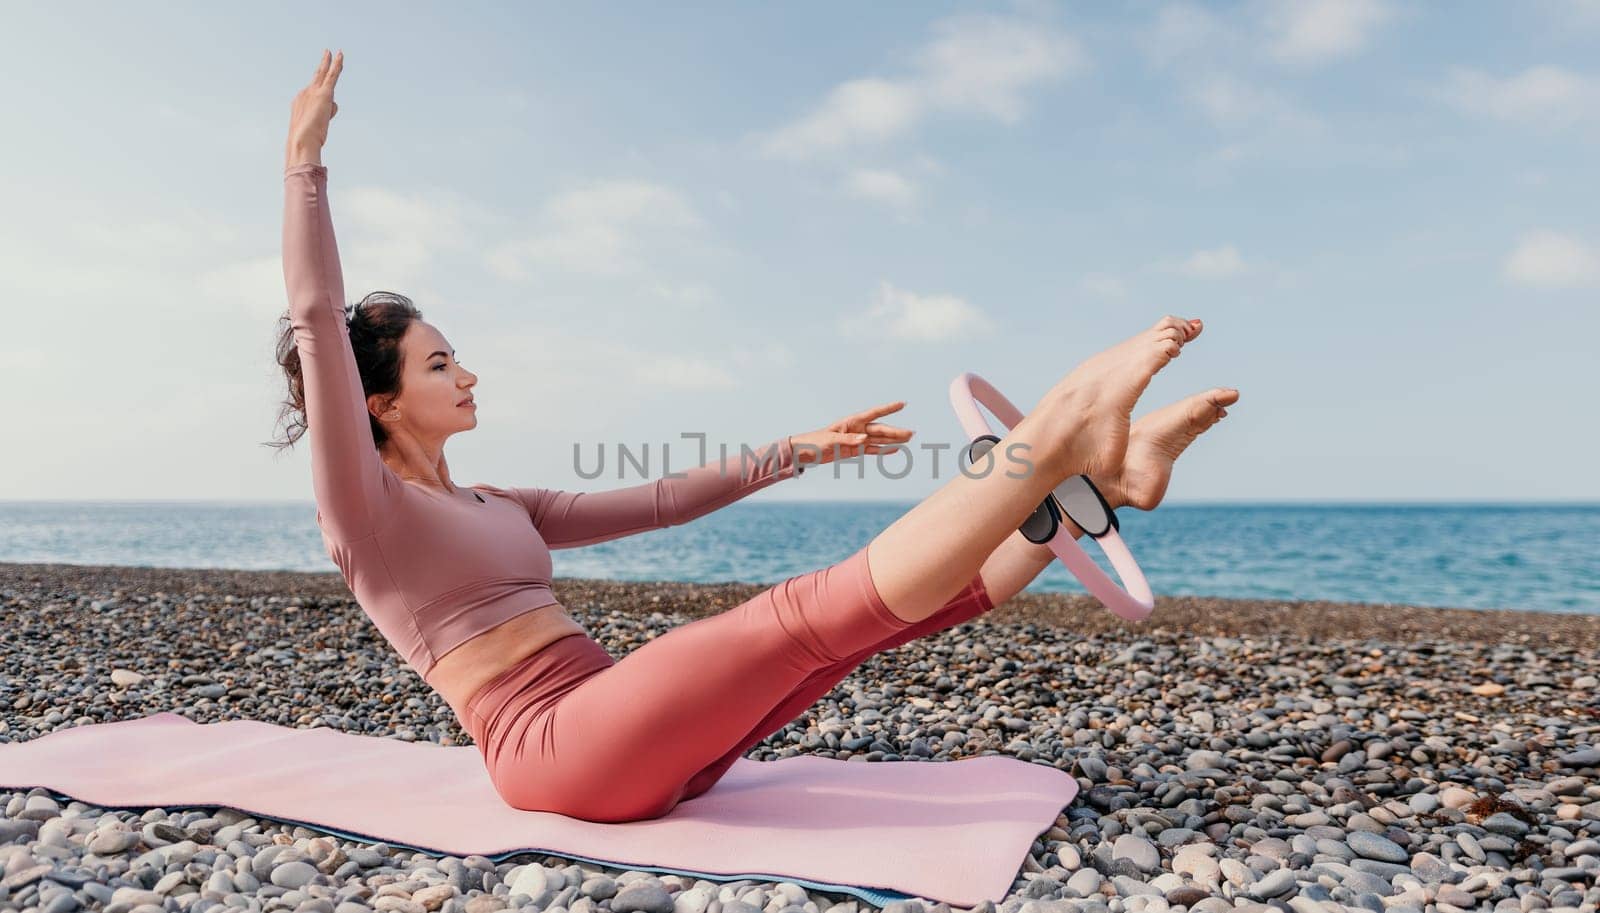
1526 557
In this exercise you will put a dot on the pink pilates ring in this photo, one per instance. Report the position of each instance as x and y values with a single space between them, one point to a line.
1076 499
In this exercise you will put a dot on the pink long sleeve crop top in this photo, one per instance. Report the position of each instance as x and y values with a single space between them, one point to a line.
433 570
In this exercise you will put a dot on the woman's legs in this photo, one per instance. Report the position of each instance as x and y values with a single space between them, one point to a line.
974 599
1155 442
1081 426
624 743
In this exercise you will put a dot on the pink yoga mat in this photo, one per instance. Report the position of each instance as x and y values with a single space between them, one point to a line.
955 831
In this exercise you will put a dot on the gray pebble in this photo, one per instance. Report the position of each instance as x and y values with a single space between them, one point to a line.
1364 883
294 874
1086 883
1128 887
1588 757
1274 883
642 897
1137 850
1423 803
1373 846
1386 870
1505 823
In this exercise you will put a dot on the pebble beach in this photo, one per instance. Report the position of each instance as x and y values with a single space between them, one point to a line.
1232 754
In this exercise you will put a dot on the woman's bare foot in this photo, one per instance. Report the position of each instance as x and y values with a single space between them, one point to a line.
1097 398
1156 440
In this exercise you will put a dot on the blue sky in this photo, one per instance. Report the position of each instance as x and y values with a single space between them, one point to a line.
636 222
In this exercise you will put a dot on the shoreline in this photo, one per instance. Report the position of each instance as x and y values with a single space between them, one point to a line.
1212 616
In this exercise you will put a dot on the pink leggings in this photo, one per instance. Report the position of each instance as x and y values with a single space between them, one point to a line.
571 730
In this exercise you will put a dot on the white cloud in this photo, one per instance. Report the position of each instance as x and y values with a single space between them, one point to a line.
983 64
901 314
387 241
1289 32
927 164
1308 32
1547 94
882 185
177 236
772 355
1552 260
193 351
399 233
1182 30
89 250
578 370
253 285
1217 263
693 294
858 111
1231 103
681 372
603 229
1208 52
975 64
1569 13
1105 286
1228 101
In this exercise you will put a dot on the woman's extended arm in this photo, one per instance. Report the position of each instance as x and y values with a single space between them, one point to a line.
351 484
347 475
566 519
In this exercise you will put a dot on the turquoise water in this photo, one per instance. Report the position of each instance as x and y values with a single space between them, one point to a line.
1543 558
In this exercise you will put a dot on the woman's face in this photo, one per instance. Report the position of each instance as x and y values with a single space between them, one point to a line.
433 386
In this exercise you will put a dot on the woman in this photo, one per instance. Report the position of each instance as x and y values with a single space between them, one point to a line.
458 578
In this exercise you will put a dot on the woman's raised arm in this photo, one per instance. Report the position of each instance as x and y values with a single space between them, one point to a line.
353 488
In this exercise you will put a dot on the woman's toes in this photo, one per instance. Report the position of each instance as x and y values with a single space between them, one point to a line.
1159 438
1223 396
1206 409
1187 329
1171 323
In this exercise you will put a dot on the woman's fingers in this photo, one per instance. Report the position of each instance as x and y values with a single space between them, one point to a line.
870 414
328 70
864 418
873 432
871 440
882 430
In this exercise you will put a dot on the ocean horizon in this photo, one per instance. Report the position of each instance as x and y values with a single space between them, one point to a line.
1520 555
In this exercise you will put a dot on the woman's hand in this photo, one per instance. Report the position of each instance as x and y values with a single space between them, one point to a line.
311 111
849 437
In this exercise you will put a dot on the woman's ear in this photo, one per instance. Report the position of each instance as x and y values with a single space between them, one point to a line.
380 405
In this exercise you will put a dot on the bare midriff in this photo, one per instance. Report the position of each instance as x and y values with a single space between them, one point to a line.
459 674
